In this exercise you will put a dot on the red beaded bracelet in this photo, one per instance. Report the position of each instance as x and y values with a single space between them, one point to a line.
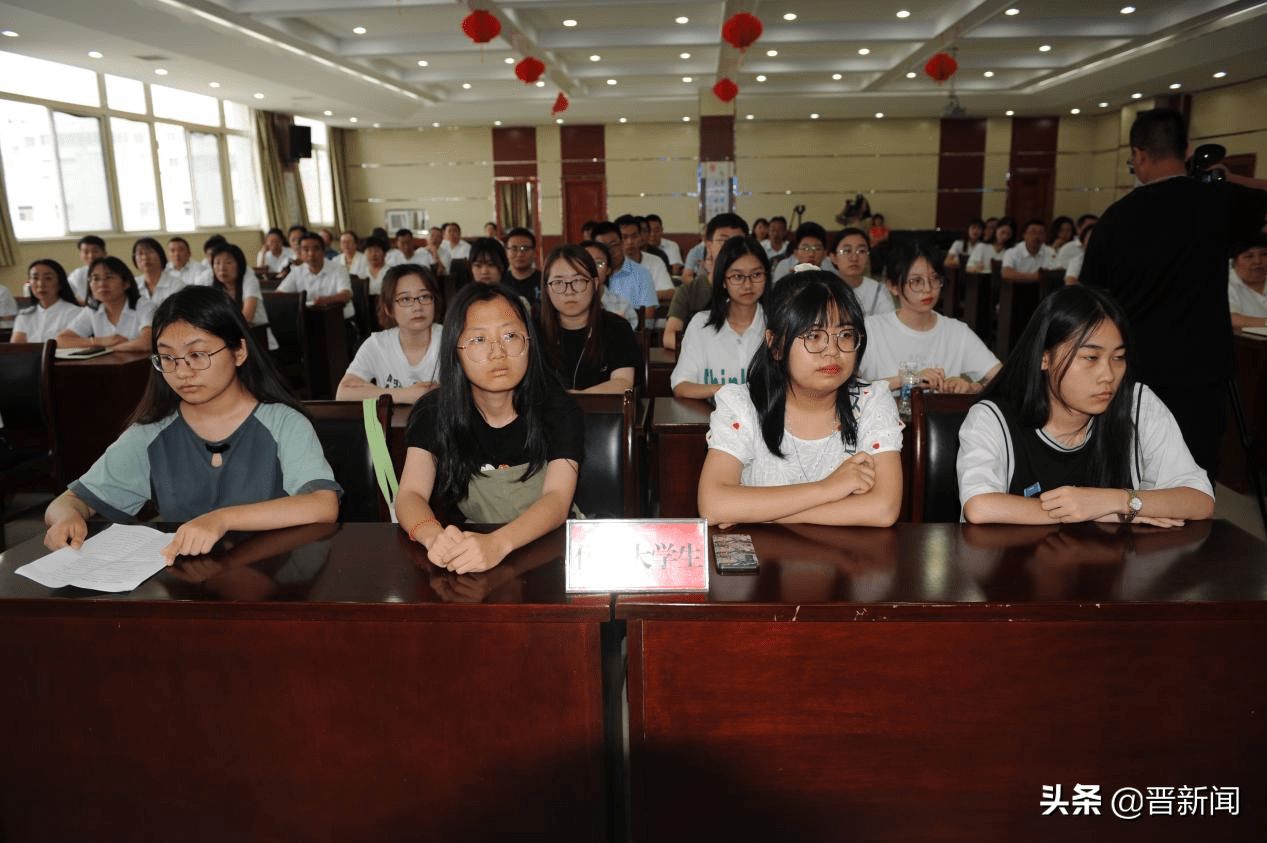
419 524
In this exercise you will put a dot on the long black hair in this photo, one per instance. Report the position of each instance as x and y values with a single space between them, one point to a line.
801 301
64 290
457 414
239 260
1070 314
731 251
210 310
581 260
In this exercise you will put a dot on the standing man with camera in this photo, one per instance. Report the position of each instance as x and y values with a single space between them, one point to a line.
1162 252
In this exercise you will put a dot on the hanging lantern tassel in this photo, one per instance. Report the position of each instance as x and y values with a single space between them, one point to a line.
725 90
529 70
742 30
481 27
941 67
560 104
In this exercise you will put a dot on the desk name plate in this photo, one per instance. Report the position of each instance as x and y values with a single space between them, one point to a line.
636 555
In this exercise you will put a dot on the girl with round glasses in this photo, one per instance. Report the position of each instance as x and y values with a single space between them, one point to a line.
851 254
499 442
403 360
55 304
589 349
950 356
1064 433
806 439
116 317
719 342
218 443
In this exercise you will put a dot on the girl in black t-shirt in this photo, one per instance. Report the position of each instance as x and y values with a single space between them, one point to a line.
499 441
589 349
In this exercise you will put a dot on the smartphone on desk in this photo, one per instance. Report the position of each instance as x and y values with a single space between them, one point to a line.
734 553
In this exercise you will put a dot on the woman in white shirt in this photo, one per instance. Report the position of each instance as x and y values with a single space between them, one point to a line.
1247 284
55 304
851 256
961 249
228 269
376 263
275 256
349 257
120 319
992 250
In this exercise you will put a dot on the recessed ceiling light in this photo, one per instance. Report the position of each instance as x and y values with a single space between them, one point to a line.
509 60
761 77
611 81
789 16
215 84
358 30
1220 74
1104 105
377 125
903 13
771 53
93 54
879 115
160 71
8 33
1075 111
836 76
864 52
435 125
1009 112
354 120
684 55
596 57
910 74
423 62
568 22
1136 95
495 123
1126 10
559 120
683 19
687 79
1174 86
258 95
1012 12
328 113
466 86
749 116
624 120
814 116
1046 48
541 83
989 74
686 118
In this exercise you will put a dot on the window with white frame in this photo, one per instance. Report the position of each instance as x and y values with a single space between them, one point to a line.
314 175
151 158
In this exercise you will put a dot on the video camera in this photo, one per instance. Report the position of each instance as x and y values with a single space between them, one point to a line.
1205 156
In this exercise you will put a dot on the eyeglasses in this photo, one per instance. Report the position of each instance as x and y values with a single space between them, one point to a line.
519 248
924 285
196 360
807 247
568 285
480 348
409 301
860 251
817 339
737 279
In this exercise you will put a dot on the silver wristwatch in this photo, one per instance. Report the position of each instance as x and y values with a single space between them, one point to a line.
1133 506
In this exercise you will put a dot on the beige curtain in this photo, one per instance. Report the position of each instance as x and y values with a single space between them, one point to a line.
339 177
274 183
8 241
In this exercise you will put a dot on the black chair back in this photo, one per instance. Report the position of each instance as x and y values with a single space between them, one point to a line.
25 395
936 418
286 319
340 426
364 317
608 483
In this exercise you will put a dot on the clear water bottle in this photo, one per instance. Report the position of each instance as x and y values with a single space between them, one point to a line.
909 374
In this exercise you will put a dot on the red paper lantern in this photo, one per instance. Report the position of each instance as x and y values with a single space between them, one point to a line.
481 26
741 30
529 70
560 104
941 67
726 90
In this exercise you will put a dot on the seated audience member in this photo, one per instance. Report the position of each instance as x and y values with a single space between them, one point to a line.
154 283
55 304
851 256
350 257
992 249
761 230
117 318
491 230
1025 260
952 357
694 294
1062 233
1064 434
719 343
453 247
327 237
587 229
879 231
962 248
655 237
403 360
405 252
489 264
589 349
612 301
1246 278
694 259
180 264
499 442
375 251
631 247
435 236
1075 247
209 244
1073 268
776 245
275 256
809 245
90 247
524 277
323 281
218 442
229 273
805 440
628 278
294 235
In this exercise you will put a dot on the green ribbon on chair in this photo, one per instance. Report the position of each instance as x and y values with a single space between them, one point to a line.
383 468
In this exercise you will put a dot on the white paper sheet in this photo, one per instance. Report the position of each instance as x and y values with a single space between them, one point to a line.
119 558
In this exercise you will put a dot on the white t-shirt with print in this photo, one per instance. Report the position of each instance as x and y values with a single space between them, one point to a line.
950 345
381 359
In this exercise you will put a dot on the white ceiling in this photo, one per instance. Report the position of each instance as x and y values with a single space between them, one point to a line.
304 57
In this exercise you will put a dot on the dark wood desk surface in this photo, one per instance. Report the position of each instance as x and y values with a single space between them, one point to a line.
332 690
678 426
93 400
925 683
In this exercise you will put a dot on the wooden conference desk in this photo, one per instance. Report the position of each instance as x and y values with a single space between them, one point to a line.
925 682
93 399
328 692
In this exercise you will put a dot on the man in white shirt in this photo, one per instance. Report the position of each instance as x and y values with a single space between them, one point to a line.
1023 261
350 257
324 282
180 265
655 226
628 278
631 246
453 248
91 247
406 253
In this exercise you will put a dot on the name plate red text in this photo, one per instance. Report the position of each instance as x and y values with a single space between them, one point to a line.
633 555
